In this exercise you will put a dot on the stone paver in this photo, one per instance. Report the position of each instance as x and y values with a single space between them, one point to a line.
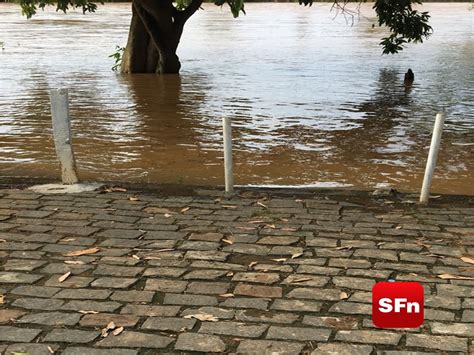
256 272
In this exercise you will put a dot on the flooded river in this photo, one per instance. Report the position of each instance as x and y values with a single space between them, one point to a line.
312 99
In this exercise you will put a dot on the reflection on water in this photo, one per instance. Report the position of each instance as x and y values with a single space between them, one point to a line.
312 99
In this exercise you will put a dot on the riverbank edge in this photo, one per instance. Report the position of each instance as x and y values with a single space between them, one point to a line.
380 197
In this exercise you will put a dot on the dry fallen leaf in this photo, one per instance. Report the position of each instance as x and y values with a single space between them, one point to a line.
68 240
279 260
229 274
117 331
435 255
302 279
202 317
296 255
83 252
256 222
344 248
454 277
135 257
65 276
227 241
227 295
2 299
115 189
134 198
151 257
50 349
343 296
89 312
105 331
74 262
229 207
467 260
271 226
261 204
185 209
252 264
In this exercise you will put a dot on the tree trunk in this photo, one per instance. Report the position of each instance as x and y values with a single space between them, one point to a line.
155 32
140 55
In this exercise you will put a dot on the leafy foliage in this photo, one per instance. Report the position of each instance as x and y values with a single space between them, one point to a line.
117 56
405 24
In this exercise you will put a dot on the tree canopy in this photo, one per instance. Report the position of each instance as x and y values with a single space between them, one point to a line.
405 23
157 25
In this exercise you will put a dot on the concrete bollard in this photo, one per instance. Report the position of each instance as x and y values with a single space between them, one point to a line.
229 177
432 157
62 135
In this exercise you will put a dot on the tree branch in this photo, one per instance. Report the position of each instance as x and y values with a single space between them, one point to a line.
190 10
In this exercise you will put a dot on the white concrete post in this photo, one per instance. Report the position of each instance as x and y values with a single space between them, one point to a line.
432 156
229 177
62 135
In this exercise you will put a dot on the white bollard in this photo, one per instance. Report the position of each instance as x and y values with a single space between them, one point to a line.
432 156
62 135
229 177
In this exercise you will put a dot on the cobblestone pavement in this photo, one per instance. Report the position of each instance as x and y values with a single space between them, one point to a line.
256 273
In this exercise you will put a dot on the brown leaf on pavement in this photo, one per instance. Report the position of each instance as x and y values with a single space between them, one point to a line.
134 198
279 260
252 264
105 331
343 296
261 205
117 331
454 277
296 255
227 295
50 349
74 262
302 279
185 209
65 276
115 189
2 299
83 252
202 317
227 241
230 207
467 260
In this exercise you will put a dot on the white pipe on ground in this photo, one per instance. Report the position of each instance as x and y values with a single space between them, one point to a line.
229 177
432 157
62 135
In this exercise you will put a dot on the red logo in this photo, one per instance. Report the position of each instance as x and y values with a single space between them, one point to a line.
397 305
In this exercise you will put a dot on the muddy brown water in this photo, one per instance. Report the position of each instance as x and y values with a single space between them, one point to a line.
312 99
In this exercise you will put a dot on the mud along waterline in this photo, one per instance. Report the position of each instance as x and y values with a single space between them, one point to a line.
312 99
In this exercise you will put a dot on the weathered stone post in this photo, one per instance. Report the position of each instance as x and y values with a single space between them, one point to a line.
62 135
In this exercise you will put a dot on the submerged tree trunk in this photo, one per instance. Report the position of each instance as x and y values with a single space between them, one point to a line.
154 36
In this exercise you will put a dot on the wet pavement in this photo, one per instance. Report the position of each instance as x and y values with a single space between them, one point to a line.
129 272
